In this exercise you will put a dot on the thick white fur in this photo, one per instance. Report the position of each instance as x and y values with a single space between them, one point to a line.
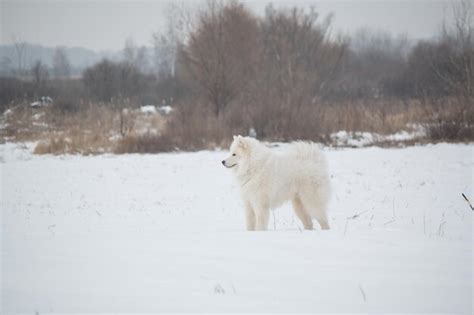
268 178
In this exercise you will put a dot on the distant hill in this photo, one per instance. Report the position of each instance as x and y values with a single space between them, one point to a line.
80 58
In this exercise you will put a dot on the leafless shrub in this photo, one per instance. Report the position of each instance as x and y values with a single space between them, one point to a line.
452 121
147 143
74 143
96 129
194 127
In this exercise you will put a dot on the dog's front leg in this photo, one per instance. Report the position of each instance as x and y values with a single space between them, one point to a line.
249 217
263 214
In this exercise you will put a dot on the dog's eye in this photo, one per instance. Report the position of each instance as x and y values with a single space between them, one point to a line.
233 154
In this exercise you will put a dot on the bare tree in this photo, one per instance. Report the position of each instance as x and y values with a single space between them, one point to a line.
6 66
221 53
109 80
21 49
179 23
129 51
373 62
445 67
458 71
299 48
297 67
135 56
165 55
40 73
61 65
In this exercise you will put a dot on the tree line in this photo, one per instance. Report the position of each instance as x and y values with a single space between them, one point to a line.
224 57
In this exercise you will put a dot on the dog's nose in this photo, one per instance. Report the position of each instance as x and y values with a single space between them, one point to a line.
223 163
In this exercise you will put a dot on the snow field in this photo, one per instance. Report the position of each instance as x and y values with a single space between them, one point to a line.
165 233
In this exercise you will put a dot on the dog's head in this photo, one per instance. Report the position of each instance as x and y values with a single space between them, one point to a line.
239 152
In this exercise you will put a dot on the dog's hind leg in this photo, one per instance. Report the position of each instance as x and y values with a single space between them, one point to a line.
315 205
262 215
249 217
323 221
301 213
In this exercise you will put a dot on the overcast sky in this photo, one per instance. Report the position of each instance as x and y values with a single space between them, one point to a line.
106 24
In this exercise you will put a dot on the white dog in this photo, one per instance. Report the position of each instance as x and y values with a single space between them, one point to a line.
267 179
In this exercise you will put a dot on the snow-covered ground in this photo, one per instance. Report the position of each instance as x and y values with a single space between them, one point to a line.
165 233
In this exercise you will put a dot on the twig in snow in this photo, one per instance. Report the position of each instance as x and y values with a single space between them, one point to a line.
424 222
218 289
98 213
386 223
472 208
393 207
51 226
363 293
355 216
440 229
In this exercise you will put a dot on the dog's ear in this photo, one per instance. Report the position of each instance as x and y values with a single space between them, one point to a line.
235 137
242 142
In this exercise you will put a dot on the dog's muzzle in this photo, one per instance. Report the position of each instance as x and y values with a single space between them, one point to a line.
223 163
